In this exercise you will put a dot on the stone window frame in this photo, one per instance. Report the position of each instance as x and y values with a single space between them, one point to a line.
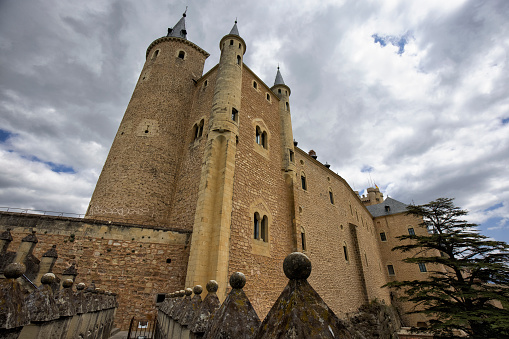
260 246
255 86
390 269
384 236
155 54
197 130
259 145
303 181
268 97
331 196
180 56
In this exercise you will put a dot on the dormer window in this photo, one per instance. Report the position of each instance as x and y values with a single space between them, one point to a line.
387 208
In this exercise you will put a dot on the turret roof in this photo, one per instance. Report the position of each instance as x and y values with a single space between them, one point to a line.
387 207
279 78
235 30
179 30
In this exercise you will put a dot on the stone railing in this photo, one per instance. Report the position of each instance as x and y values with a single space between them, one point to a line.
299 312
42 313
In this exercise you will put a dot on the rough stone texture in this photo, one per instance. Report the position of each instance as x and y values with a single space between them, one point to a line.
126 259
236 318
41 303
374 321
13 310
206 311
195 304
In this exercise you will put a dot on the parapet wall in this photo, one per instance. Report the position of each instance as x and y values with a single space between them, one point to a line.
137 262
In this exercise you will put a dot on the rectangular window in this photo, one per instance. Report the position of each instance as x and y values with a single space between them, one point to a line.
234 114
383 237
390 269
331 197
303 182
303 239
422 267
411 231
345 251
160 297
291 156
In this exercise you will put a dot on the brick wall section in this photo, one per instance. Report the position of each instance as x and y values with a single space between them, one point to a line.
328 228
259 186
138 180
121 258
395 225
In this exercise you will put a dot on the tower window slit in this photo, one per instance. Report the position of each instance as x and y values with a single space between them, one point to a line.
235 114
238 59
231 42
182 54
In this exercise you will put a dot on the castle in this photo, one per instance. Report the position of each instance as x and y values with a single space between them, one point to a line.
204 179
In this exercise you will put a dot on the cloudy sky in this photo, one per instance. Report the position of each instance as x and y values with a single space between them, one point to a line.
410 95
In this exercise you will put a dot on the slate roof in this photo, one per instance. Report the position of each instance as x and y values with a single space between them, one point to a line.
279 79
179 30
380 209
235 30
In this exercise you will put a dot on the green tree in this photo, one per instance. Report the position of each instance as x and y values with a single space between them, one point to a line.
469 273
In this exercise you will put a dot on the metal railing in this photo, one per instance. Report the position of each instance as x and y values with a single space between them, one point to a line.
31 211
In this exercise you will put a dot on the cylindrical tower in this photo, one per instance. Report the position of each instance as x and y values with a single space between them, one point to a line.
210 244
138 179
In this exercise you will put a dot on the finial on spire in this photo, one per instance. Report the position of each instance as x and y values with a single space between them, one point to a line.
179 30
184 15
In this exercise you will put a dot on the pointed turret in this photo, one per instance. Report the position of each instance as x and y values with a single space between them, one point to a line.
235 30
179 30
279 78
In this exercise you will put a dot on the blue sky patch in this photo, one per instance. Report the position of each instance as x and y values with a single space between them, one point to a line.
57 168
505 121
366 169
398 41
494 207
4 135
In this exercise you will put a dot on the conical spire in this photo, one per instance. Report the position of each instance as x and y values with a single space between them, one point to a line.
179 30
279 78
235 30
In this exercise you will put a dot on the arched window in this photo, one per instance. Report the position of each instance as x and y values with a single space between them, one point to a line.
235 114
231 42
256 226
303 181
258 135
264 228
238 59
205 83
182 55
195 132
255 85
264 139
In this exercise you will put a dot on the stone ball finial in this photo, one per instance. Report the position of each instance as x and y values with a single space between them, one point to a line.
188 291
48 278
297 266
67 283
197 289
212 286
81 286
237 280
14 270
182 293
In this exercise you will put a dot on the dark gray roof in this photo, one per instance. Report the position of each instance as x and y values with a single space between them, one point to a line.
394 207
179 30
279 79
235 30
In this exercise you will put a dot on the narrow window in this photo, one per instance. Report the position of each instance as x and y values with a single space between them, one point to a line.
264 140
239 45
256 226
264 229
200 129
345 252
268 97
366 258
258 135
387 208
238 59
235 114
411 231
383 237
255 85
231 42
195 132
291 156
303 182
206 83
331 197
390 269
303 240
279 91
422 267
156 53
182 54
287 106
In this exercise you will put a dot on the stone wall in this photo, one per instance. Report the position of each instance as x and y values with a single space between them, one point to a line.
137 262
348 281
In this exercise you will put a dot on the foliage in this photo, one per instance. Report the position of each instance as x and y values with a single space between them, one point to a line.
469 273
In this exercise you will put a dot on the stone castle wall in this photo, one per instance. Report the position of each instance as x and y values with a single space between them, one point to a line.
129 260
345 284
259 186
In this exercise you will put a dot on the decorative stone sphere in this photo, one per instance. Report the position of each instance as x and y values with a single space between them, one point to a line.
48 278
197 289
182 293
297 266
212 286
237 280
67 283
81 286
188 291
14 270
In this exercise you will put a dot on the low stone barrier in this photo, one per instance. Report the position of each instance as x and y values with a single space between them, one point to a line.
42 313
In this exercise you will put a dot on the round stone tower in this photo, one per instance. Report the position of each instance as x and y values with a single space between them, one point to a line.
138 179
